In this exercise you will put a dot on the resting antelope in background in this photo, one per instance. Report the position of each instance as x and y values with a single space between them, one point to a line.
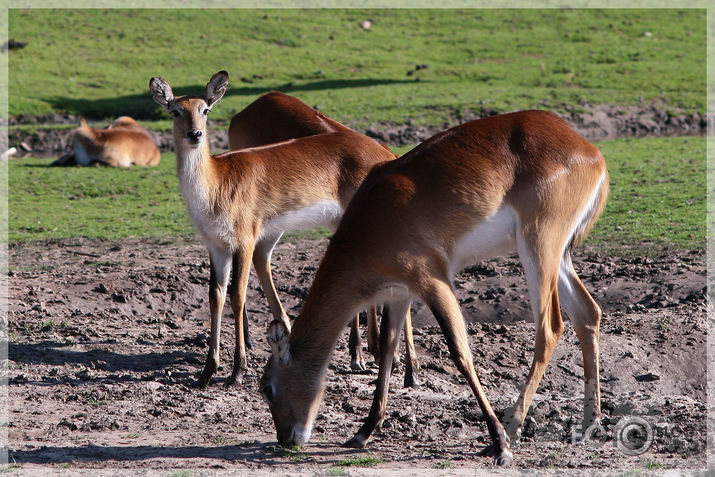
122 144
275 117
523 181
242 201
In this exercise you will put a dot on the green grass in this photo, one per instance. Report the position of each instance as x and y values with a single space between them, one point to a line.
181 473
98 62
658 196
49 202
294 453
367 461
658 193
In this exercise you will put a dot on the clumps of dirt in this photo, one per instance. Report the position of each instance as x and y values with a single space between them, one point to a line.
593 122
107 340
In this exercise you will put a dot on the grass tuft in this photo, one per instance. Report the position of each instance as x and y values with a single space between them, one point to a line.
367 461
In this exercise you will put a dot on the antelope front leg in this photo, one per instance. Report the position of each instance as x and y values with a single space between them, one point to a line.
233 290
445 308
393 317
220 272
262 264
242 265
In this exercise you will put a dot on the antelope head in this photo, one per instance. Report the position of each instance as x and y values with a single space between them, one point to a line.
189 112
293 392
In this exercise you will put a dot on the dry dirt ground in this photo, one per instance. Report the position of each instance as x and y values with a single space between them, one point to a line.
108 338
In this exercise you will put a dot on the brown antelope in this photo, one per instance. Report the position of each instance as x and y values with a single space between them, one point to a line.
242 201
523 181
122 144
275 117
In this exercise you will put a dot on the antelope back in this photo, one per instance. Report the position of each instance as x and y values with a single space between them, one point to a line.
276 117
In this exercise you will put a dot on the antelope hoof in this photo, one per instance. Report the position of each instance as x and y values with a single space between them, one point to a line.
411 379
236 378
205 378
591 421
357 364
501 458
356 442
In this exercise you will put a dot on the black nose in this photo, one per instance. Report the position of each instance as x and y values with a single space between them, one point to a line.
194 135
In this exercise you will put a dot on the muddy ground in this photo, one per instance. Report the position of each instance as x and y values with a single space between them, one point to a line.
107 340
594 122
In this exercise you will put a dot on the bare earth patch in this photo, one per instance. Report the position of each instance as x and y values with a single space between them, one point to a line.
107 339
593 122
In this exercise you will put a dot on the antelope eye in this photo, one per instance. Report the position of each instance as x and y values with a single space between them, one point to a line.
206 112
174 113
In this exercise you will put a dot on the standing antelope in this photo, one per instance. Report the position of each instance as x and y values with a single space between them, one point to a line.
122 144
275 117
242 201
523 181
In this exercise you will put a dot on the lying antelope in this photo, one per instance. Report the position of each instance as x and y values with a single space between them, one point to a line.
122 144
523 181
242 201
276 117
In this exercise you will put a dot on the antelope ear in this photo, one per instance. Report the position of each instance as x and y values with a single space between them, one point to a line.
216 88
161 91
278 336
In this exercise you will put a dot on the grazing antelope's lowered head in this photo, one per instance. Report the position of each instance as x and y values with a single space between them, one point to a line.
295 403
189 112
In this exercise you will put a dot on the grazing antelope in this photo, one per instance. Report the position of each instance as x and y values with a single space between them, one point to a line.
120 145
523 181
242 201
275 117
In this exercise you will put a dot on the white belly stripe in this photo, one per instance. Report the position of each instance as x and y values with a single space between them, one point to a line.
326 213
492 237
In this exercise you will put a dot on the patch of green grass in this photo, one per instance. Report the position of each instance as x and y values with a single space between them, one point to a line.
657 194
334 471
653 465
133 435
445 464
181 473
47 202
657 197
367 461
294 453
97 62
97 402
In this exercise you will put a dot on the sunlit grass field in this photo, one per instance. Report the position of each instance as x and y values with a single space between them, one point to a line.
418 66
657 197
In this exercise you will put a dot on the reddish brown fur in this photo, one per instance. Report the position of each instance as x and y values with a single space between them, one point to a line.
275 117
417 209
233 196
122 144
